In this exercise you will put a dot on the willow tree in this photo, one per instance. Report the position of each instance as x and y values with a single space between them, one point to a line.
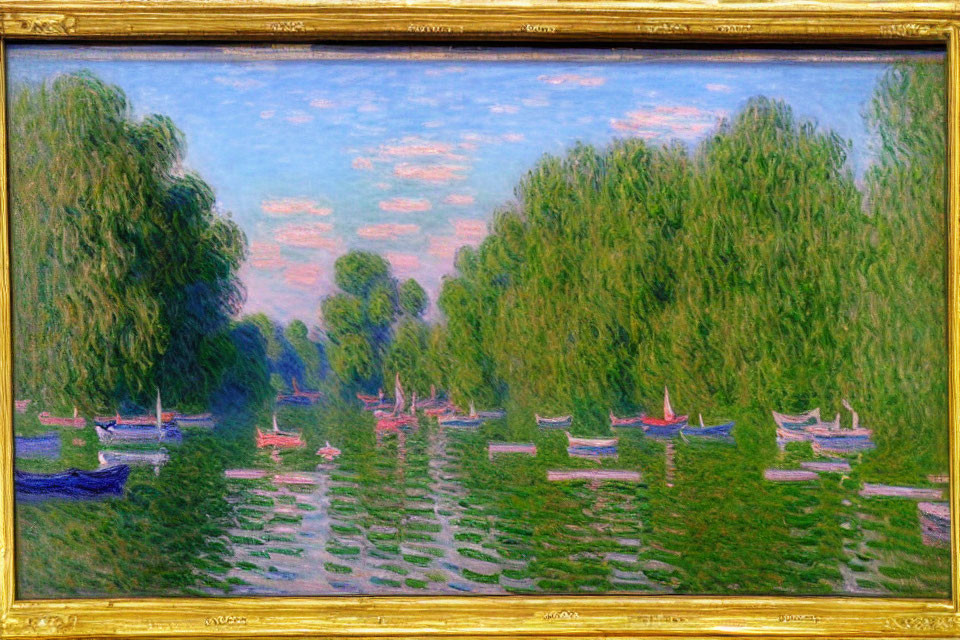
125 276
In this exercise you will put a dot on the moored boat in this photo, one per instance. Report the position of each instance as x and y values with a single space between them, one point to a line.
328 452
797 421
591 442
299 396
493 414
713 431
205 420
472 420
155 459
267 439
42 446
592 452
629 421
72 483
557 422
137 433
48 420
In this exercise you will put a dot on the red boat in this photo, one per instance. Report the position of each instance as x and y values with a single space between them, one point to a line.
278 440
366 398
48 420
396 423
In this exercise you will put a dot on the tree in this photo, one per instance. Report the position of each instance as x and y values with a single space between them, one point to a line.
358 272
308 351
413 299
125 275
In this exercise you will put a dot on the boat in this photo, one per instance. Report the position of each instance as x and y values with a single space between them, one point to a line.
42 446
369 399
277 440
592 452
789 421
299 396
444 408
396 422
138 433
104 421
493 414
591 442
713 431
471 420
21 405
72 483
433 401
155 459
553 423
196 420
630 421
328 452
48 420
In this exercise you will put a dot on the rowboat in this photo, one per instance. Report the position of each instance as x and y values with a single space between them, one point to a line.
494 414
328 452
72 483
713 431
369 399
155 459
553 423
444 408
473 419
21 405
592 452
630 421
277 440
790 421
591 442
43 446
48 420
138 433
396 422
196 420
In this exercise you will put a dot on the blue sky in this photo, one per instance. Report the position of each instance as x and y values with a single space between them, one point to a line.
314 151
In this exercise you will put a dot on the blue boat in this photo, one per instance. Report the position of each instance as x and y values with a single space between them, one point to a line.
591 452
664 431
139 433
72 483
844 444
714 431
31 447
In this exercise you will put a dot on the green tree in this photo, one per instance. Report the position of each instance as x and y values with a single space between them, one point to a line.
125 275
308 351
412 297
358 272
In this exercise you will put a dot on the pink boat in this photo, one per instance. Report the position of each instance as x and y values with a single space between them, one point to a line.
48 420
21 405
328 452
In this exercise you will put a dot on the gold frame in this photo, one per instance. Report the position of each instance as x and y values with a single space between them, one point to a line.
877 22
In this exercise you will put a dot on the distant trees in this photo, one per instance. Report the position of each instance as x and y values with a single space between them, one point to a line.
359 323
125 274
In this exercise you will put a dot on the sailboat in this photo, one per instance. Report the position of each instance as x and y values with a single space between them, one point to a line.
278 438
141 428
396 419
713 431
464 422
48 420
666 427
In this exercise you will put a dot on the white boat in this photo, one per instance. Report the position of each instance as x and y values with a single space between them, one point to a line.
591 442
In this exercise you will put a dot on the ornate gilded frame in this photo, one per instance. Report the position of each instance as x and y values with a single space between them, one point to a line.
530 22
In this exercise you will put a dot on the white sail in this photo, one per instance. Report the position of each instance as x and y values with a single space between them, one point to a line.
701 421
433 392
856 416
275 428
400 402
413 404
668 413
473 411
159 410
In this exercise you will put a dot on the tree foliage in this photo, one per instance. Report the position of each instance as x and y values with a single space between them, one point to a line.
125 274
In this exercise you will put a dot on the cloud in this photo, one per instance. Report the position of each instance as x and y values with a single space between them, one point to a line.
680 121
387 231
294 206
362 163
266 255
415 147
267 114
322 103
304 276
504 108
405 205
368 107
535 102
719 88
443 70
243 84
459 199
299 117
444 246
469 231
429 173
514 137
308 236
403 262
572 79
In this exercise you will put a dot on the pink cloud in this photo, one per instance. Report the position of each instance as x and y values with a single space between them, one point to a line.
681 121
429 173
403 262
322 103
368 107
405 205
266 255
573 79
267 114
504 108
299 117
308 236
444 246
535 102
414 147
469 231
459 199
387 231
362 163
719 88
302 275
294 206
514 137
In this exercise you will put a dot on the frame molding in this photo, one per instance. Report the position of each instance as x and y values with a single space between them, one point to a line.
531 22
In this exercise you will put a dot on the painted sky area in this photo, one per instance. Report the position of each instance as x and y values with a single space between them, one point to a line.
317 151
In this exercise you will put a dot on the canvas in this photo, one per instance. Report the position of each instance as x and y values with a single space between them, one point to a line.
332 320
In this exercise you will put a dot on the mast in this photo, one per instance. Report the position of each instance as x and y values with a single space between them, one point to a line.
275 429
667 409
398 393
159 411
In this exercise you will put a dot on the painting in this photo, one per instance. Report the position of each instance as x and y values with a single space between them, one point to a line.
311 320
